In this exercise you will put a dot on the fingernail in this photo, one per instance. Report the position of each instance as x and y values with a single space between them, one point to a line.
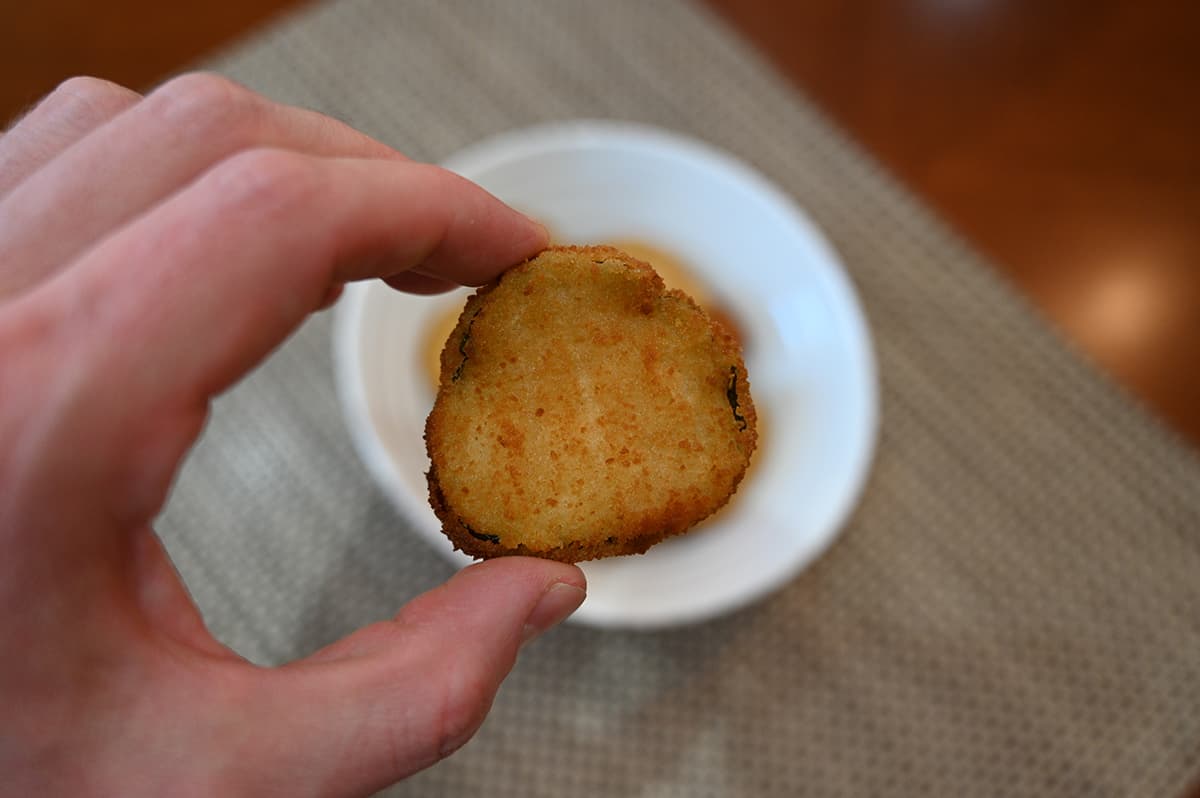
555 606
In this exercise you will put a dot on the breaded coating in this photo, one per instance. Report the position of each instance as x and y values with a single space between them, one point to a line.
584 411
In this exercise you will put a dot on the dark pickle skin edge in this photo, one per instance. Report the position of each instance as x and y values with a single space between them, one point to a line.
479 535
462 348
731 396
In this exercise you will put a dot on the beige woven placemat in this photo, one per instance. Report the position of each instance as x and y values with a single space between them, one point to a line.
1014 609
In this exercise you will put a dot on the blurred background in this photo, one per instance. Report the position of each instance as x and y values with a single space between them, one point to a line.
1058 136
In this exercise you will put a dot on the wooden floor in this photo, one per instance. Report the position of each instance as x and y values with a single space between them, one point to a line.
1061 136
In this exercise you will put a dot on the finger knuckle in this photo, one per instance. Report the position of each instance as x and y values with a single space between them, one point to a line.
266 180
89 98
206 104
464 703
30 347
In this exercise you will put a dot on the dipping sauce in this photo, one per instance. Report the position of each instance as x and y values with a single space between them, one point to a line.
435 340
677 274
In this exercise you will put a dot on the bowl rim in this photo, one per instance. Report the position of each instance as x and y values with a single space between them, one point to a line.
523 142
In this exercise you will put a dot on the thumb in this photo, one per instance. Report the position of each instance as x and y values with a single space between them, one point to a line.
397 696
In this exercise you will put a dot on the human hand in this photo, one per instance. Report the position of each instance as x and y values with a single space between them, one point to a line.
152 250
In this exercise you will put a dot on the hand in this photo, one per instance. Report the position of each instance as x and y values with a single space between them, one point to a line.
152 250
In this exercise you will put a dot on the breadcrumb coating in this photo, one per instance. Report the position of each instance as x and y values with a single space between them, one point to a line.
584 411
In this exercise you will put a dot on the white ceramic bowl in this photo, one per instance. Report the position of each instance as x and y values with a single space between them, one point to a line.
808 354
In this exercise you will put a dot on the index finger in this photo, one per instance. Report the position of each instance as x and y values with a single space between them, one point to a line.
169 311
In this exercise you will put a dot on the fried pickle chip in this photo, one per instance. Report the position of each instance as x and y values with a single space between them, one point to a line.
584 411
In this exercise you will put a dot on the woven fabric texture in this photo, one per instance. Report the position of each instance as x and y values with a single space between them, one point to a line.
1014 608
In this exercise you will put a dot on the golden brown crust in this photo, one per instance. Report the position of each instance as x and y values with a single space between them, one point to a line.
584 411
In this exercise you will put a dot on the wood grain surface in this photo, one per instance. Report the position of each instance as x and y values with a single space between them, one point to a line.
1059 136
